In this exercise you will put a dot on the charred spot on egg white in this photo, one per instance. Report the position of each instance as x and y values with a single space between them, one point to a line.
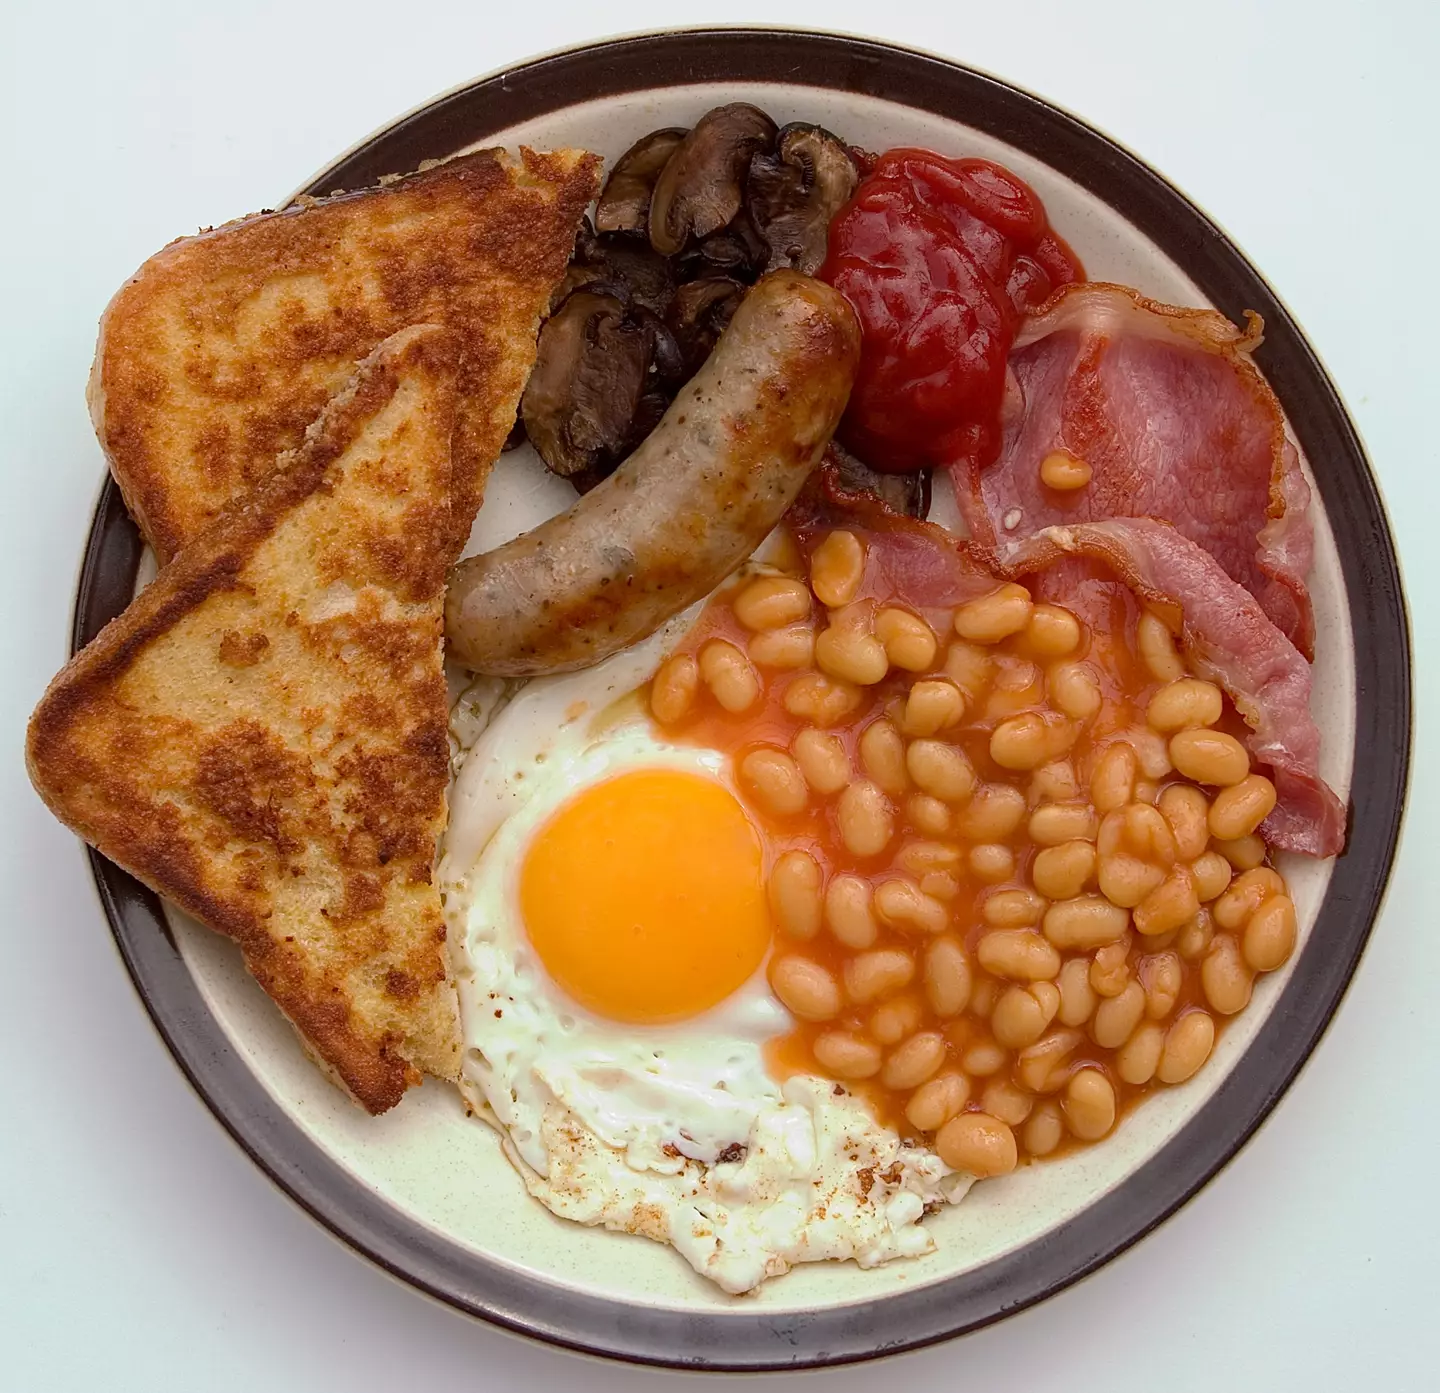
609 927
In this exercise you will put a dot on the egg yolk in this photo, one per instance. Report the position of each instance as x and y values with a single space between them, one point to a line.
643 896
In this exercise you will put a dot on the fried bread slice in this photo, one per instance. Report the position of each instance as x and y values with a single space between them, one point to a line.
261 736
220 351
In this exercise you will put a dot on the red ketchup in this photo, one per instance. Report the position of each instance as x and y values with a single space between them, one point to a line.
941 259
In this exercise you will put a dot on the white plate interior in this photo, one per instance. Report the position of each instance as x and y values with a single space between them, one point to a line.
446 1171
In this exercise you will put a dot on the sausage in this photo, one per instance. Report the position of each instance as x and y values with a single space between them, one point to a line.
690 504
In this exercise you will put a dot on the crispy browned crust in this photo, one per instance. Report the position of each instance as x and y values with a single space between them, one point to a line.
261 736
219 352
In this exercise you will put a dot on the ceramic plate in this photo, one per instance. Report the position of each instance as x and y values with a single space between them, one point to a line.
426 1192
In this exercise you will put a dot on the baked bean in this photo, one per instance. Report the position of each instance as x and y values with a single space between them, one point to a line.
776 781
1140 830
1270 935
837 566
991 862
881 971
893 1020
1054 823
1020 1016
1077 997
1244 853
771 602
1053 632
1112 783
947 977
927 814
849 912
992 814
941 884
822 700
1138 1058
1162 975
978 1144
983 996
1117 1016
1211 873
1146 791
1185 704
847 1056
1075 690
1012 909
1152 752
933 1104
789 648
1089 1104
1041 1067
822 760
1085 922
1062 872
1225 978
1110 967
1016 687
1156 646
1210 757
1187 811
795 894
848 652
672 694
1021 955
865 819
994 616
882 756
969 668
940 769
1126 880
1003 1100
909 642
1028 740
922 858
1168 906
1237 811
1194 939
726 671
902 905
1054 783
1045 1130
983 1059
1187 1046
910 1064
1245 895
931 706
1062 471
806 988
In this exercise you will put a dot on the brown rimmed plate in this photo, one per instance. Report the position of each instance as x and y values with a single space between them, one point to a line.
422 1191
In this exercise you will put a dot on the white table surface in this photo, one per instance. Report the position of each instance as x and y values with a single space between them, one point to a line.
139 1249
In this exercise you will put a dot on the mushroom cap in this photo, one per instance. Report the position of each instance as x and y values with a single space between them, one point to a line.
624 204
793 194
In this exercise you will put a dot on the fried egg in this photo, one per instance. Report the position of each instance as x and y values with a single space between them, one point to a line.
608 926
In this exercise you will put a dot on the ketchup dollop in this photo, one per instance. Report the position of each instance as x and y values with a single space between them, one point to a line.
941 259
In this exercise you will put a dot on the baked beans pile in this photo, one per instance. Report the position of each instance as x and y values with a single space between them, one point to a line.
1014 864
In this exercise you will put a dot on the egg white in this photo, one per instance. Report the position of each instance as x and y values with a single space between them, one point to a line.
676 1132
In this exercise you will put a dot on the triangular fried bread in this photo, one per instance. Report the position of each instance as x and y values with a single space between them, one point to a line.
261 736
222 348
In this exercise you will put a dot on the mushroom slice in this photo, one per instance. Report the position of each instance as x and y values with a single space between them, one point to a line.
793 194
698 315
590 371
648 278
901 493
624 204
701 187
737 250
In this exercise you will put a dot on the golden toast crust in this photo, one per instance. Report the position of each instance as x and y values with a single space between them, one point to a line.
261 736
219 352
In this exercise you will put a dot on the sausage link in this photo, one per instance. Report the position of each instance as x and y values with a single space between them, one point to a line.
693 501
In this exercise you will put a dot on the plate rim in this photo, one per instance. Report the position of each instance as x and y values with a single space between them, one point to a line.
739 1340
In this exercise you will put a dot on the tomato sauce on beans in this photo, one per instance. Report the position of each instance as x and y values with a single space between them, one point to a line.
1001 913
941 259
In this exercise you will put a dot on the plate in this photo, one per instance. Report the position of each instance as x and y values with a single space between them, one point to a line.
426 1193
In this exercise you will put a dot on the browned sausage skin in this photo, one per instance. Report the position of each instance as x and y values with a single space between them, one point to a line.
693 501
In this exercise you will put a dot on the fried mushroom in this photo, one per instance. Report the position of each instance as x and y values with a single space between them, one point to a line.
702 184
624 204
793 194
698 315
